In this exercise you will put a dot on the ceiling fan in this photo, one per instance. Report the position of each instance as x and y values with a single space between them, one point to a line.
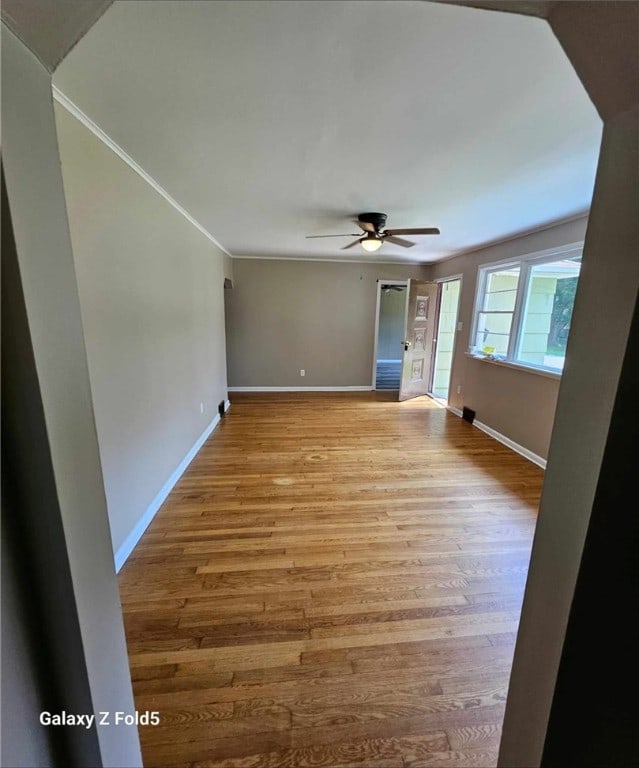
374 235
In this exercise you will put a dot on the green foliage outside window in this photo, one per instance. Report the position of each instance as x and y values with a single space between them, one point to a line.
561 315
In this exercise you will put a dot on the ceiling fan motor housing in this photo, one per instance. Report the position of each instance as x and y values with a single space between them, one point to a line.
378 220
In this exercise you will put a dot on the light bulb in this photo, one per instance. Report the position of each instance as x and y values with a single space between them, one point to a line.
371 244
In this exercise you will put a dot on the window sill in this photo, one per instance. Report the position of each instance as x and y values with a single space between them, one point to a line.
517 366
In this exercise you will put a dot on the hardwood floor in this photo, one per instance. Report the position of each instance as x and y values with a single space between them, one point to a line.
335 581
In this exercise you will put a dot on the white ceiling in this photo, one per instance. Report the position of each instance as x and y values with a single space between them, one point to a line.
269 121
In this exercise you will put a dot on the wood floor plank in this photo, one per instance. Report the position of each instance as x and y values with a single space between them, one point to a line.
336 580
385 753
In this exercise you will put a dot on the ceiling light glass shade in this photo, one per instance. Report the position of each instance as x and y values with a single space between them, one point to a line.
371 244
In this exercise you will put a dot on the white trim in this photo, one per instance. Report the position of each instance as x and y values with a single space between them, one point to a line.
538 460
72 108
449 278
548 254
537 370
378 306
132 539
227 405
340 261
300 389
518 236
442 280
409 288
524 264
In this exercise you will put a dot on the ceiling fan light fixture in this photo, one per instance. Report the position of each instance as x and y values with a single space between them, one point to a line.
371 242
374 235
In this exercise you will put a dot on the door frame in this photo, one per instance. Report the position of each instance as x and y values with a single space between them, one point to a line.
440 280
381 282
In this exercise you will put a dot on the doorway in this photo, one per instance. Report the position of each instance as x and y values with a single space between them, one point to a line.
389 333
446 334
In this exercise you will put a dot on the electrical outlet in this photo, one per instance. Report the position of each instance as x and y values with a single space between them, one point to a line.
302 372
459 389
460 326
201 407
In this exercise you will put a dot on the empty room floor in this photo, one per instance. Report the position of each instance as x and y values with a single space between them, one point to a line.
335 581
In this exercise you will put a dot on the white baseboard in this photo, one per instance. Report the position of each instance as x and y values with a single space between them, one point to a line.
300 389
538 460
143 523
227 405
456 411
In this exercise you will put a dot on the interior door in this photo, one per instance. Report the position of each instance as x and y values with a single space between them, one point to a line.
419 335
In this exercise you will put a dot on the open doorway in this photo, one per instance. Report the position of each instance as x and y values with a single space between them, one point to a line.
390 329
389 333
446 334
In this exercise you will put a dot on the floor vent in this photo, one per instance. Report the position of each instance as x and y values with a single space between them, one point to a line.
468 415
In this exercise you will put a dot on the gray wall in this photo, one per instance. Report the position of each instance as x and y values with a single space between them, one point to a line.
518 404
151 294
392 314
228 267
284 315
604 307
23 692
52 311
601 41
22 699
594 716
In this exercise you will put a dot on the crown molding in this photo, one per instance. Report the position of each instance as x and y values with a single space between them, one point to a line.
338 261
517 236
73 109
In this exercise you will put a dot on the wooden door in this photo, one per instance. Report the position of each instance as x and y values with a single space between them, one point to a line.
419 335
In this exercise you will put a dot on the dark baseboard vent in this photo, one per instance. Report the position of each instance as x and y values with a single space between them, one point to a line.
468 415
220 408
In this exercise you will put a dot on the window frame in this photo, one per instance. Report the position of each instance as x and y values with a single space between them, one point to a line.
525 264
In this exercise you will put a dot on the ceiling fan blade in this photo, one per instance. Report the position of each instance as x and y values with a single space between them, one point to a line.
399 241
349 234
366 226
413 231
350 245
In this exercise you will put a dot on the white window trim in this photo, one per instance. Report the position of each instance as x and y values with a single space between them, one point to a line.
549 373
524 263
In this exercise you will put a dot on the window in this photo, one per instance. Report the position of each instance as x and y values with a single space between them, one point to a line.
524 307
495 318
